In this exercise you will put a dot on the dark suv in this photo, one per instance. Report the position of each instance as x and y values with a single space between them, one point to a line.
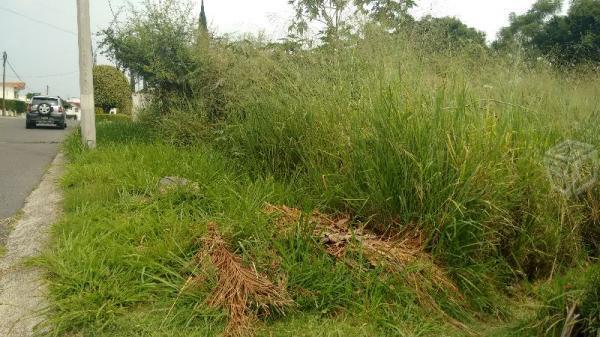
46 110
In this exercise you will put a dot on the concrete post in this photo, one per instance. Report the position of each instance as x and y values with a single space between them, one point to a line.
86 84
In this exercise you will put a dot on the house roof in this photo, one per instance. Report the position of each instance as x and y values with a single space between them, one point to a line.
16 85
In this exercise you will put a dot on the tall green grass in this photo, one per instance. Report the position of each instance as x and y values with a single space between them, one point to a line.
388 129
449 141
122 255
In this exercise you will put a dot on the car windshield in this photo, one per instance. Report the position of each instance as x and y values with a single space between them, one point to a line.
40 100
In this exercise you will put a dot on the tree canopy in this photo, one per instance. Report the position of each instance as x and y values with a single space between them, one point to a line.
523 28
111 89
449 31
155 43
334 17
564 39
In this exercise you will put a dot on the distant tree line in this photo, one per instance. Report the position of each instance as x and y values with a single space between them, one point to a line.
564 39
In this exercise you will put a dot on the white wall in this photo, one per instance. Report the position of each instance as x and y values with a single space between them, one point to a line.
10 92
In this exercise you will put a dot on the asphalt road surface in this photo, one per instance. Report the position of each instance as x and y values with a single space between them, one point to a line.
24 157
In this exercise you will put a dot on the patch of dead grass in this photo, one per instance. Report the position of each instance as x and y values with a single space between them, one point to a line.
241 290
397 253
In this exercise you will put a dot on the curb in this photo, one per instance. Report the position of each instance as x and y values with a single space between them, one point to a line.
22 288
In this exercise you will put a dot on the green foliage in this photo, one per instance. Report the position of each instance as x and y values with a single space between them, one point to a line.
111 89
448 33
523 28
14 105
579 288
155 43
202 20
565 40
393 130
574 38
123 253
108 117
389 13
349 128
30 95
335 16
590 302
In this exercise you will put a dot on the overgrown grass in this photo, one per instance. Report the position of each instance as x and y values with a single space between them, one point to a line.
123 252
450 144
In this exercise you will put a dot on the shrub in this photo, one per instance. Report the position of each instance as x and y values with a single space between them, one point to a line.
111 89
14 105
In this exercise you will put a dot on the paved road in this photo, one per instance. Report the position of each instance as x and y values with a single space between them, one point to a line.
24 157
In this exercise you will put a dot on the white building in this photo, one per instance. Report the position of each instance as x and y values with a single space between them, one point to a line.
74 111
12 90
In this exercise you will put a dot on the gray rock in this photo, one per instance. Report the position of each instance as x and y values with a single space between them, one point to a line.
167 184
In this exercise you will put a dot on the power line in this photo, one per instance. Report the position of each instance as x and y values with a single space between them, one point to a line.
38 76
38 21
52 75
14 71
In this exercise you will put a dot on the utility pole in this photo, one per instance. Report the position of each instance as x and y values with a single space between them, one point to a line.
4 58
47 90
86 84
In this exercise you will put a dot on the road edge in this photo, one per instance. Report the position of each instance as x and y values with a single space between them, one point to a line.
22 288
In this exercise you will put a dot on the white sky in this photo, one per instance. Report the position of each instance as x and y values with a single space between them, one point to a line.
44 55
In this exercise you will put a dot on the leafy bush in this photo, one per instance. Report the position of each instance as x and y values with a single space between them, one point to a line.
14 105
111 89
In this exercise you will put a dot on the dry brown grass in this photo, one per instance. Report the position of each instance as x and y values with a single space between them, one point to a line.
240 290
400 253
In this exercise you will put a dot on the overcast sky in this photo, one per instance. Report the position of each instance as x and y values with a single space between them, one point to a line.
40 35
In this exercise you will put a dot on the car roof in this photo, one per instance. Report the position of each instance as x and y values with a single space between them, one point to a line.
46 97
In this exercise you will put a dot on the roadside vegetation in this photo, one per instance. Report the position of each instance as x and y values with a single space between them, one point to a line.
380 180
111 90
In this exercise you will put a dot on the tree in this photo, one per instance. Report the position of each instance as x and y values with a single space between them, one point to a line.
155 43
391 14
574 38
523 28
30 95
450 32
202 21
111 89
332 15
335 16
565 40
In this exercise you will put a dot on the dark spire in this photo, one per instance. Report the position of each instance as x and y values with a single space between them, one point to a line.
203 22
